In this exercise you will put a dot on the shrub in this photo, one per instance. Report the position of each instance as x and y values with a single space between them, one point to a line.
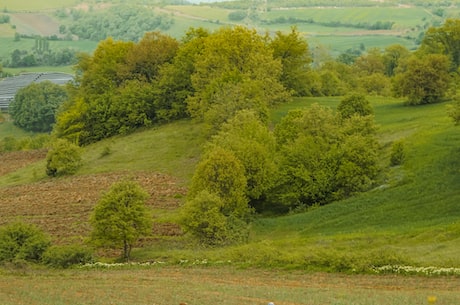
397 153
64 158
67 256
21 241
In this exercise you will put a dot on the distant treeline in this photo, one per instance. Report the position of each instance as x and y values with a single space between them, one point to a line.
122 22
379 25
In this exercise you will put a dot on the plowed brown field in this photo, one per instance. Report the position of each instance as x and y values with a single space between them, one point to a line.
61 206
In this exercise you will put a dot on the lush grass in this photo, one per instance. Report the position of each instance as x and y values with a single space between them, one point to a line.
8 129
173 149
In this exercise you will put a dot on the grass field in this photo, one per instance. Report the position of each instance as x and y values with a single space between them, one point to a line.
38 5
411 218
226 286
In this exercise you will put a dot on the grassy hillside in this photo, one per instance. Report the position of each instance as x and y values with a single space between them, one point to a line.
411 217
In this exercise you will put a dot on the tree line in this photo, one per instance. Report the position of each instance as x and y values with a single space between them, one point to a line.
228 80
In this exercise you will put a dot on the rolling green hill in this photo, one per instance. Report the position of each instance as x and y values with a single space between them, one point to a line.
411 218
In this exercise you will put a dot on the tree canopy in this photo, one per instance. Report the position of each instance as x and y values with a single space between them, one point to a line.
120 217
34 107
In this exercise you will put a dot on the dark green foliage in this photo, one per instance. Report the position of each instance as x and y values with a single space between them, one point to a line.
323 157
237 15
35 106
425 80
254 146
354 104
202 217
21 241
115 91
64 158
67 256
398 153
121 22
235 70
295 57
444 40
121 217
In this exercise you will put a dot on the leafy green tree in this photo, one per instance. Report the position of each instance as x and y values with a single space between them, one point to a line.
174 84
21 241
295 58
425 80
444 40
144 59
392 57
121 217
64 158
235 59
222 174
323 157
354 104
34 107
253 145
370 62
202 216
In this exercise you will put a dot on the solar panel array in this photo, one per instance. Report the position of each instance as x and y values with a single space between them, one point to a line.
10 85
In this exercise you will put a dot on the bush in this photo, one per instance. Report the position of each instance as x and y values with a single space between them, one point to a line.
67 256
397 153
21 241
63 159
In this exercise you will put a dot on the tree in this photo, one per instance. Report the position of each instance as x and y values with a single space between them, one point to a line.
121 217
425 80
444 40
222 174
392 57
323 157
354 104
295 58
253 145
217 210
236 60
64 158
22 241
174 83
34 107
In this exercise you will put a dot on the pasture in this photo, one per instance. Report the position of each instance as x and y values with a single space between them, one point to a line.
32 6
221 285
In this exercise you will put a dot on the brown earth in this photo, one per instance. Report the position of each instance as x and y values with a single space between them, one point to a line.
12 161
61 206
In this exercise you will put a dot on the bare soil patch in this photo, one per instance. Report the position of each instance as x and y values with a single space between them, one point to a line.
62 207
12 161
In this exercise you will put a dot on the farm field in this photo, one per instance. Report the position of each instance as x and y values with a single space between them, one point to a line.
227 286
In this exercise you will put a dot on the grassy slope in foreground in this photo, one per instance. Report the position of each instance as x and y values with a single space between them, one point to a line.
413 215
411 218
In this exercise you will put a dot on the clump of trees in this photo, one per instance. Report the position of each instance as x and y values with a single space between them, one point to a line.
34 107
121 22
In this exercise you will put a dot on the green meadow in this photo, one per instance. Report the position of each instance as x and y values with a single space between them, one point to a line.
411 218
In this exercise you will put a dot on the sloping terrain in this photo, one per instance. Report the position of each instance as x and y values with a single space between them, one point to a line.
62 207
